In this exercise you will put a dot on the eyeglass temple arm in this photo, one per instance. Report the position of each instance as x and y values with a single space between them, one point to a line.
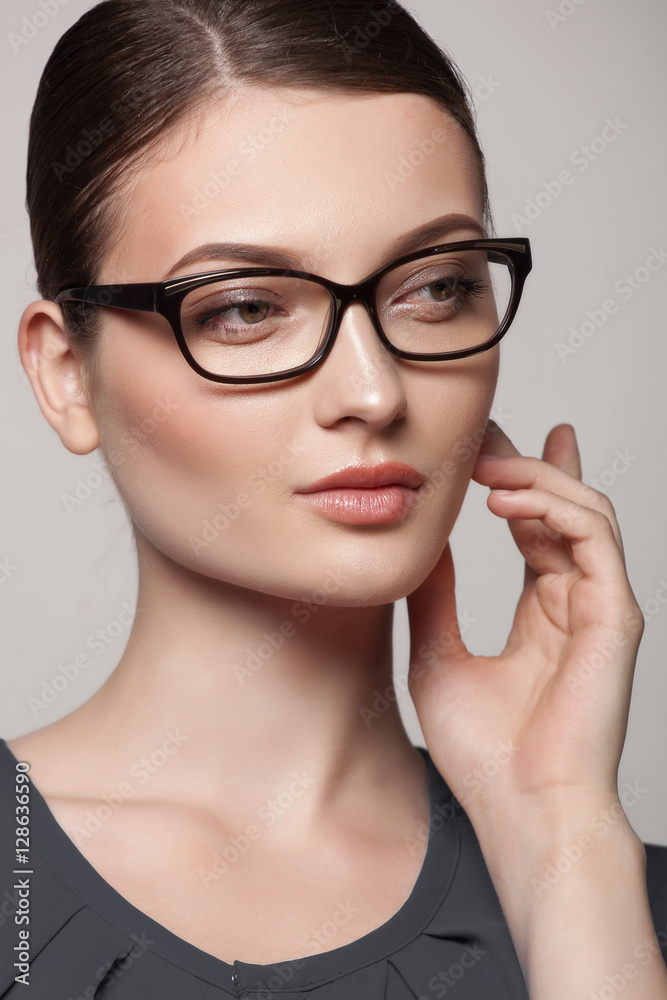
133 296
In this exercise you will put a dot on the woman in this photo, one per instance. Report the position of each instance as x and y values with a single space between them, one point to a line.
292 432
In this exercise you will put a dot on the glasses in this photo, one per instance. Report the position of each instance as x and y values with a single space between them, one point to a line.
265 324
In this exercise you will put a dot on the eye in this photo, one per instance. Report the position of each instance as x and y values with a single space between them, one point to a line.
250 312
454 291
447 288
235 314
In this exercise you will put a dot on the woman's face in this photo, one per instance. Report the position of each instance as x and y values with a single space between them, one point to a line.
210 472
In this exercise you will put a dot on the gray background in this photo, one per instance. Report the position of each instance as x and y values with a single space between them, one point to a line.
547 76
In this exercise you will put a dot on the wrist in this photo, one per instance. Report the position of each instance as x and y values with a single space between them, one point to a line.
535 834
557 856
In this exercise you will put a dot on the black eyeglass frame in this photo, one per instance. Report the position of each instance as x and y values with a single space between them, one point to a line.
166 297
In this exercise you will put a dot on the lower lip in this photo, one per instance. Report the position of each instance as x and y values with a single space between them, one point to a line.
379 505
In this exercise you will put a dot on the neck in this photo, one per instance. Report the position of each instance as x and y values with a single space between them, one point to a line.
236 694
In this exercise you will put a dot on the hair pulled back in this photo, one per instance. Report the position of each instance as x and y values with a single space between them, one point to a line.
128 72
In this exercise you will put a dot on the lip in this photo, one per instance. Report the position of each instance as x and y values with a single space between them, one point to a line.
365 494
368 477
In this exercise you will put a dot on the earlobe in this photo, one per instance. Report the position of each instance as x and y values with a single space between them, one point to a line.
56 376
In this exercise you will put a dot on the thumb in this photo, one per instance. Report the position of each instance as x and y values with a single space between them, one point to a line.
434 627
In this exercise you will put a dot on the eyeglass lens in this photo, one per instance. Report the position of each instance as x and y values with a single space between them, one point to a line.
262 325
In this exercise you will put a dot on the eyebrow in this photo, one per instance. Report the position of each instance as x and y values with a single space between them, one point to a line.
265 256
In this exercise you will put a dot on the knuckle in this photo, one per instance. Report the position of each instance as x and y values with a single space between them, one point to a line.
607 507
601 523
597 501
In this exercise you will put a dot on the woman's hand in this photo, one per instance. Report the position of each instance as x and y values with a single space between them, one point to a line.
545 720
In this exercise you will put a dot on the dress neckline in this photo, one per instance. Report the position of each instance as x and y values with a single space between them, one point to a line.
432 885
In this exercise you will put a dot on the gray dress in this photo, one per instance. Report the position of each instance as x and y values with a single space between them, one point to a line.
87 942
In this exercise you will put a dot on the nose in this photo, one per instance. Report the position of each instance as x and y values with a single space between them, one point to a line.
359 378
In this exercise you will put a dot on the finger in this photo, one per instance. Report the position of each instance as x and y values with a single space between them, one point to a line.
540 548
534 473
496 443
591 540
559 471
561 450
433 618
530 576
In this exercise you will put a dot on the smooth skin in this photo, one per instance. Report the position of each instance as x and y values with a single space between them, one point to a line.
201 612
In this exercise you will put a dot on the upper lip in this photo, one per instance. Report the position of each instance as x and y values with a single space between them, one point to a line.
367 476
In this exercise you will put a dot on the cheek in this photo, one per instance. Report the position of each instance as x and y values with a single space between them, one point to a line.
180 450
454 421
189 475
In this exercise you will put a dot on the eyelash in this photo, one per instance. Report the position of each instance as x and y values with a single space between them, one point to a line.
464 288
469 287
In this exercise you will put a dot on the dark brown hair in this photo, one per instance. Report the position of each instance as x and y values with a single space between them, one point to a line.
130 70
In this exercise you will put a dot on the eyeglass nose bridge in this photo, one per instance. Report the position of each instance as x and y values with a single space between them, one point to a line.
346 295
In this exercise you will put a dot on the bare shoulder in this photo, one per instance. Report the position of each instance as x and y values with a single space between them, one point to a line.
66 761
47 753
74 779
31 747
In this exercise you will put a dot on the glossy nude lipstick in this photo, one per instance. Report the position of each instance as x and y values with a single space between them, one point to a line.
365 494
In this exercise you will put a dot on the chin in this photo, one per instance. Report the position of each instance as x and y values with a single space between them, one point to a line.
356 587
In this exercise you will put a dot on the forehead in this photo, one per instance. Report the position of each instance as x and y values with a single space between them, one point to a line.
334 178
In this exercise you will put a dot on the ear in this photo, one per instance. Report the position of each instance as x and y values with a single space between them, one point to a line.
57 376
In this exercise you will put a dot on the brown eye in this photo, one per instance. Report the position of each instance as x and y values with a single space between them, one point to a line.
253 312
442 290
